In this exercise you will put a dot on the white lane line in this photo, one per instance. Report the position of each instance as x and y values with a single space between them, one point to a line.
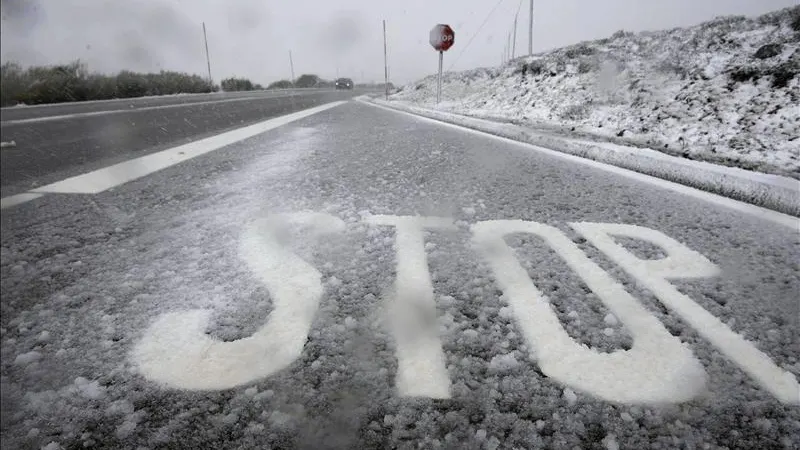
157 97
109 177
736 205
130 110
14 200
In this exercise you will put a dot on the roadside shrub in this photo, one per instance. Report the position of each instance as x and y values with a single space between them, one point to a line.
73 82
281 84
579 50
768 51
236 84
131 84
621 34
574 112
783 74
794 23
586 65
307 81
745 74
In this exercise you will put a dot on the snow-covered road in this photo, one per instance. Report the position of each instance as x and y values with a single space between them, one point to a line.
359 278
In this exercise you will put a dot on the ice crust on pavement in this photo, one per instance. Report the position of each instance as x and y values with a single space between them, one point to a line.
80 290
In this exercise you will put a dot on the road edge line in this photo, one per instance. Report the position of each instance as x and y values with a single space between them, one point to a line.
115 175
772 215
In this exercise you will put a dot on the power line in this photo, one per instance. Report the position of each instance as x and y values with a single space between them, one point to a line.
476 34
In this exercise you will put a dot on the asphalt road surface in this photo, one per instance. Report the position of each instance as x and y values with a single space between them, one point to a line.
58 141
361 278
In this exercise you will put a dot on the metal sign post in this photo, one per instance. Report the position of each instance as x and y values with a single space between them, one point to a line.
385 63
442 37
439 81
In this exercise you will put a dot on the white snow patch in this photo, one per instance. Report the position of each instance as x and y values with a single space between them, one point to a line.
27 358
506 313
251 391
470 333
279 419
125 429
570 396
501 363
119 408
266 395
89 389
610 442
334 282
611 320
52 446
446 301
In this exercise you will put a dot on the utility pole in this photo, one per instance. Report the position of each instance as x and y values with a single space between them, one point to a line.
530 32
208 59
514 44
291 66
385 63
508 47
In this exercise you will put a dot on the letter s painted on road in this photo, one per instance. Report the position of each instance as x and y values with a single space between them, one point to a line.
177 352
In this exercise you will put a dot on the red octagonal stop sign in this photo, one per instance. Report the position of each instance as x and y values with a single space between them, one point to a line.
442 37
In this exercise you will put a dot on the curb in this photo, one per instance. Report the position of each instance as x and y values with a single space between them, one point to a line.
773 192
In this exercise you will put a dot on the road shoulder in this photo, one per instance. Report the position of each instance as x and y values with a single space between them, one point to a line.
773 192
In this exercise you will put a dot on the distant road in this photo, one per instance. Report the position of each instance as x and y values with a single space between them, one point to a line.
58 141
15 113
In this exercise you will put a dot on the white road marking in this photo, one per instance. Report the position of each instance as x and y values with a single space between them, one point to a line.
18 199
658 369
735 205
154 97
112 176
176 351
682 262
130 110
8 144
421 369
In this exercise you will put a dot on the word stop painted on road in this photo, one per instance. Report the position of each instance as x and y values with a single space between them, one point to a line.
176 352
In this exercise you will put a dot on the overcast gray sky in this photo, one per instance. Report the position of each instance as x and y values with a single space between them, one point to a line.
252 38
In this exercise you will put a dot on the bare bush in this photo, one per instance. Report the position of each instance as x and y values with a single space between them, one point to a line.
73 82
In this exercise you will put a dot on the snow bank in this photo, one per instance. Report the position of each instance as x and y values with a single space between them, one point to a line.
725 91
769 191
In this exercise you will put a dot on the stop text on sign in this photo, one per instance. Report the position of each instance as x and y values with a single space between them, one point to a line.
176 351
442 37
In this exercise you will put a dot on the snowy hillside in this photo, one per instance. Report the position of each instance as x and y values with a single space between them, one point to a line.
726 91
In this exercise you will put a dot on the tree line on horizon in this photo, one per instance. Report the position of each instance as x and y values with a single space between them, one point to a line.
74 82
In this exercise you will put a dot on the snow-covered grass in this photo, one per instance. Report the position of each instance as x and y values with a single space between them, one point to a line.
726 91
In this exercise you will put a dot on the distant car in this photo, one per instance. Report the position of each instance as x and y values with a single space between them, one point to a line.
344 83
